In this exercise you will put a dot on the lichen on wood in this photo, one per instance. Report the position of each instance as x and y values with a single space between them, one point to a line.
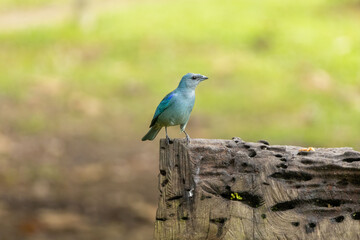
231 189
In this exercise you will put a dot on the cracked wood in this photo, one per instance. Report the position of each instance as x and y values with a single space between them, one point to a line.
231 189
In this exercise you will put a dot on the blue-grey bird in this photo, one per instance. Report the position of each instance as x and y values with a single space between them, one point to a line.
175 108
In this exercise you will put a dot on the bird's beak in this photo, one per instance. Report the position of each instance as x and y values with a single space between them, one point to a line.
204 78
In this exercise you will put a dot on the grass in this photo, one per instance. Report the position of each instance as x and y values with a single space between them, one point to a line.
284 71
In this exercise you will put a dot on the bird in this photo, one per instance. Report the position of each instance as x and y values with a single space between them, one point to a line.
175 108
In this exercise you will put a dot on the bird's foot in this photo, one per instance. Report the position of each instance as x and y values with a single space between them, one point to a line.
187 138
168 140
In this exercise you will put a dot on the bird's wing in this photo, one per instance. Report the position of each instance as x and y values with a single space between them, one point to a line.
164 104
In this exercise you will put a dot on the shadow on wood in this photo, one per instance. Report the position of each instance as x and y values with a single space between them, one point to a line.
231 189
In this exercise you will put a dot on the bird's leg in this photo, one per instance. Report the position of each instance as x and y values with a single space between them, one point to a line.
168 140
182 128
187 137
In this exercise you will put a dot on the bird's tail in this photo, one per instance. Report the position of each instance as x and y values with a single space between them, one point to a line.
151 134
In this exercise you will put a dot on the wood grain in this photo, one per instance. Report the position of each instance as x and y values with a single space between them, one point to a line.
231 189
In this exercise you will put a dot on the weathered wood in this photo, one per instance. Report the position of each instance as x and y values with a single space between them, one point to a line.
230 189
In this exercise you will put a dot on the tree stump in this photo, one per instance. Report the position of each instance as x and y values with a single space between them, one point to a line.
231 189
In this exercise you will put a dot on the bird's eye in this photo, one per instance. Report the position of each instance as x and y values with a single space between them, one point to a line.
193 77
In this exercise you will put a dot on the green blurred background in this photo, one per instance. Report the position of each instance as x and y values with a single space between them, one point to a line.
80 81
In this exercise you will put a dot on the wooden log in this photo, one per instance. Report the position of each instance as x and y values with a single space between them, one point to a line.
231 189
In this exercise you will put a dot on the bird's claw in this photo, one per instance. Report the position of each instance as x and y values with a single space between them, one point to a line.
187 137
168 141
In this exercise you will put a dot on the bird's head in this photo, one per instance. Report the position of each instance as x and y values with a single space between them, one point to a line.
191 80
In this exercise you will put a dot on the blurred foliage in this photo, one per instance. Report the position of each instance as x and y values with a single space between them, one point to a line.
16 4
286 71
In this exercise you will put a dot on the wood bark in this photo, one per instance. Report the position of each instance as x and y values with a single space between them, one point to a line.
231 189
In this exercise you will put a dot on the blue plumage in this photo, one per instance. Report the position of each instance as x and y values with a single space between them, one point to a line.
175 108
162 106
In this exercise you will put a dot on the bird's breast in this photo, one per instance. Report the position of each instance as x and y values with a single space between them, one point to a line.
179 112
